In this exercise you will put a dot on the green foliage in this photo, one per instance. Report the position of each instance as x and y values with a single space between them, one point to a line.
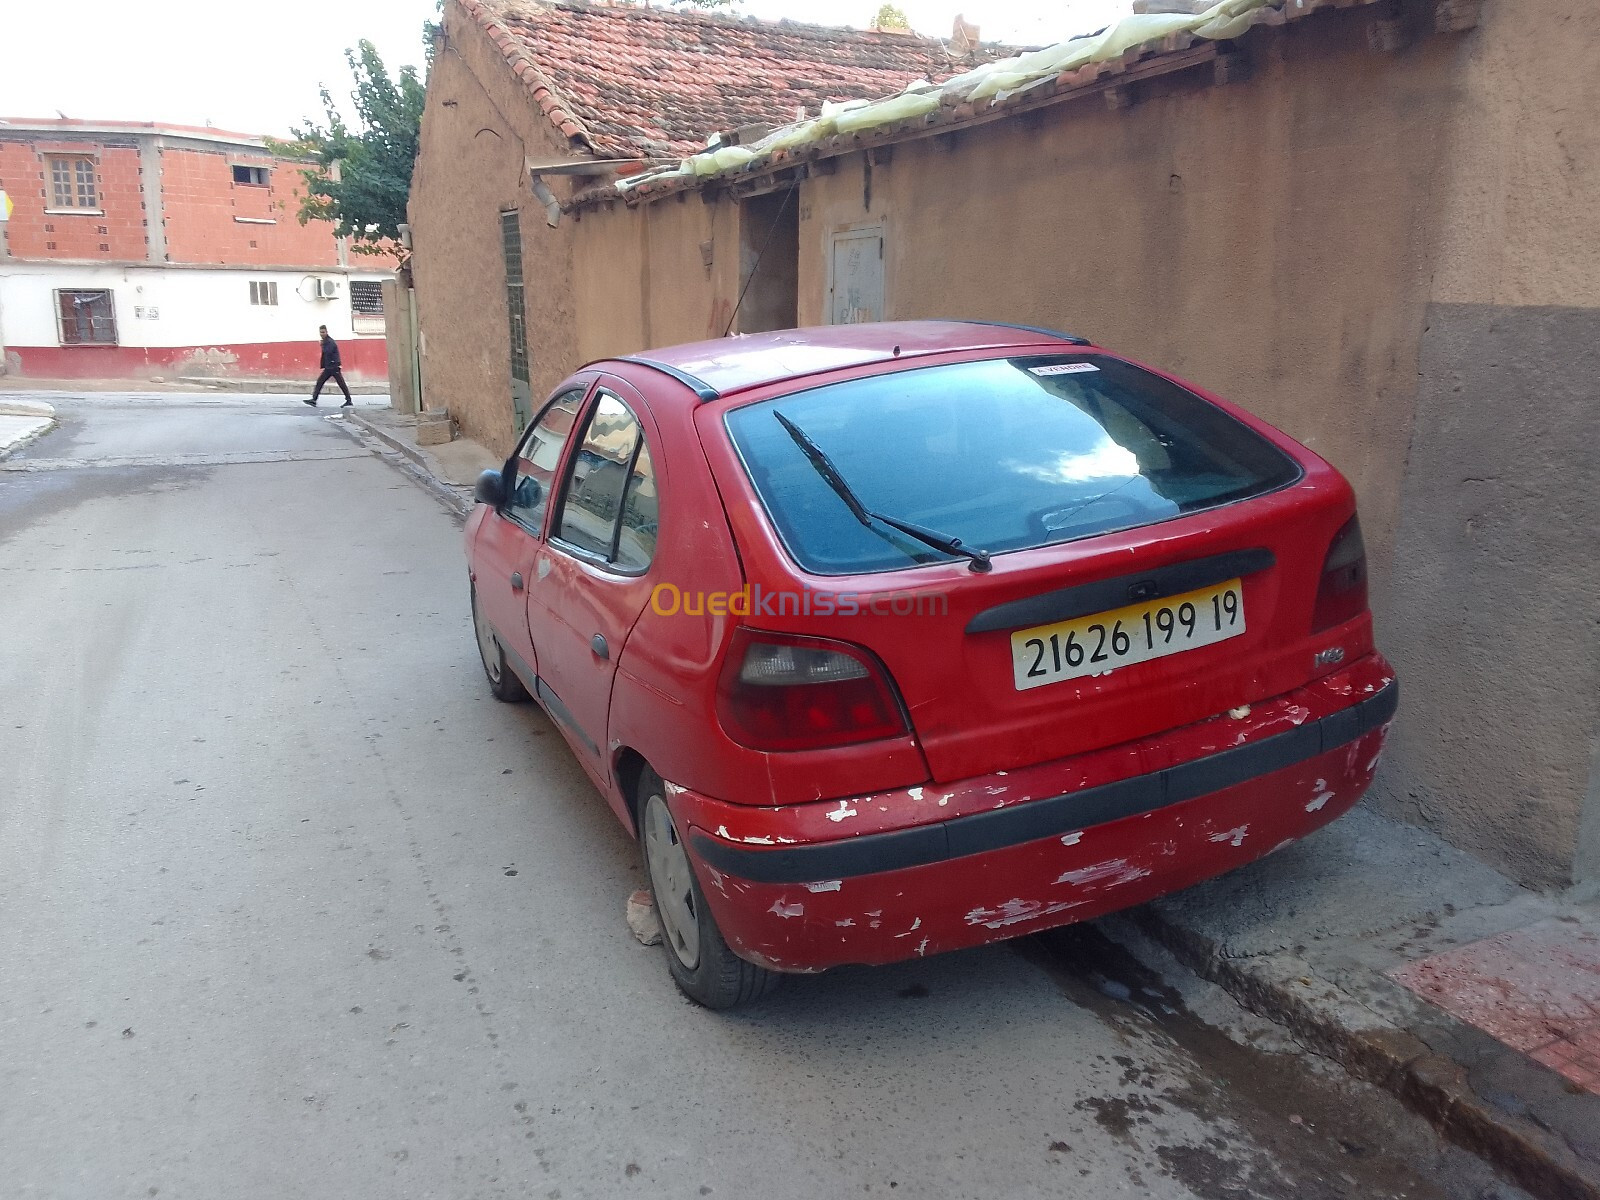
890 17
367 199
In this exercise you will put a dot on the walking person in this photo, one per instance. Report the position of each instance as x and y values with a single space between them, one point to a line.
332 369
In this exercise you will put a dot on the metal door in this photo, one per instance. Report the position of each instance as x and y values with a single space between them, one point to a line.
855 279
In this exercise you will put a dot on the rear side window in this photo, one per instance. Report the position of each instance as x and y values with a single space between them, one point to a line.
1004 454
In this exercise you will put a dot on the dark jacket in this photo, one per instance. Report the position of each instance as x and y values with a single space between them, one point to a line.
330 355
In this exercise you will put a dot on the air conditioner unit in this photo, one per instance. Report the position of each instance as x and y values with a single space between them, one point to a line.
327 289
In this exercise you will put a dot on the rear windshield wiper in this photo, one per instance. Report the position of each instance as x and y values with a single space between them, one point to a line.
979 559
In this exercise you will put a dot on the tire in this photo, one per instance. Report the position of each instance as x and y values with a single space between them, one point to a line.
698 957
503 681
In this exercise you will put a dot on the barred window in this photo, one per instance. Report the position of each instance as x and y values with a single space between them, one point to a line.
86 318
366 297
72 183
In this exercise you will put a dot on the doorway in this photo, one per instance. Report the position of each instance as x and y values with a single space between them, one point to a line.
769 262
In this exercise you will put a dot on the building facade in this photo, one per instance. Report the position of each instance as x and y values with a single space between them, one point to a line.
146 251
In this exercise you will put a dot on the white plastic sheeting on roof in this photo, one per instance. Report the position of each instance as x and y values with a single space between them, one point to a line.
993 81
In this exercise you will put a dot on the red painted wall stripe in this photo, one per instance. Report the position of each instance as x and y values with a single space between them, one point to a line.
364 358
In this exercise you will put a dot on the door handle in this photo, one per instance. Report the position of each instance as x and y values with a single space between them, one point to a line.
598 645
516 581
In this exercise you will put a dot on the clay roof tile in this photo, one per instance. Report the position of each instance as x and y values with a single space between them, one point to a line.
646 82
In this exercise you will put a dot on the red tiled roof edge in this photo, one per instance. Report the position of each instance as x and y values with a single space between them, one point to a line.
533 80
1174 52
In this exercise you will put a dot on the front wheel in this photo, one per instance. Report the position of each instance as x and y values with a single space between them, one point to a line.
503 681
698 957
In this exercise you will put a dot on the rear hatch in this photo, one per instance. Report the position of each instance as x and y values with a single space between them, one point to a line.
1152 560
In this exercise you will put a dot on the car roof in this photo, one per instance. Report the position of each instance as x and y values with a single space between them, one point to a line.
733 364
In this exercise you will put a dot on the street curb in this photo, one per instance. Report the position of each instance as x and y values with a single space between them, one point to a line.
27 439
410 461
1332 1022
415 453
27 408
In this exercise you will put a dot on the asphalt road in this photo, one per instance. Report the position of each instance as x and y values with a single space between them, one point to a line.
290 907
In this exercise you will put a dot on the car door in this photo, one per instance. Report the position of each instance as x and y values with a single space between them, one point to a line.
506 548
595 567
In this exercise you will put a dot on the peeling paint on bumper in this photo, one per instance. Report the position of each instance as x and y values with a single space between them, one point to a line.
967 899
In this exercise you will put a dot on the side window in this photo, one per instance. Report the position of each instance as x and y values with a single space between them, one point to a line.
534 464
609 510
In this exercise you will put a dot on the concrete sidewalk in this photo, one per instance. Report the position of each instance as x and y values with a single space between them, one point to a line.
1425 972
449 470
1412 964
21 421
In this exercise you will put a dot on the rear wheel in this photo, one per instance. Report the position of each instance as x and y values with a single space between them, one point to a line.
503 681
698 957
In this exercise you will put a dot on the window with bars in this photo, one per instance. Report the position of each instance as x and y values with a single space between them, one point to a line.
72 183
366 297
517 315
86 318
264 292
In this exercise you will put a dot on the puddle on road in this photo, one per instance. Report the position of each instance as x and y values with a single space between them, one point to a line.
1313 1133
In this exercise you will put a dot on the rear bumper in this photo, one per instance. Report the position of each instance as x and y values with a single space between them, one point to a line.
921 870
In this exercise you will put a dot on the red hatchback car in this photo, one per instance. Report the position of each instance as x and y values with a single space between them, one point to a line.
892 639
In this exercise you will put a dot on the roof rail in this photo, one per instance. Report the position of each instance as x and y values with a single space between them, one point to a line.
1055 333
698 386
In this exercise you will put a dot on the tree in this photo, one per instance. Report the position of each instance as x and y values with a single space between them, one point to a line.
361 176
890 17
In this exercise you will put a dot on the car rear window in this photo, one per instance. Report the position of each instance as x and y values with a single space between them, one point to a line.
1004 454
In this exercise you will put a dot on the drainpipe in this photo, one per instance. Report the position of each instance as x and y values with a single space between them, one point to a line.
5 256
416 349
407 280
552 206
341 244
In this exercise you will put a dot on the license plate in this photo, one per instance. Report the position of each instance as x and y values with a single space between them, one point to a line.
1121 637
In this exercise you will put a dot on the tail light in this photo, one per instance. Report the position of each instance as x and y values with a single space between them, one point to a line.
783 692
1342 591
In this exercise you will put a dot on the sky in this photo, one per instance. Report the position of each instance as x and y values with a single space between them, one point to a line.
257 68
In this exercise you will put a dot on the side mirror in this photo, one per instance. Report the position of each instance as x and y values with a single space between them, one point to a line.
490 489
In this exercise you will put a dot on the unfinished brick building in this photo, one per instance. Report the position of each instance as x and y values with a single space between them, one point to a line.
136 250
